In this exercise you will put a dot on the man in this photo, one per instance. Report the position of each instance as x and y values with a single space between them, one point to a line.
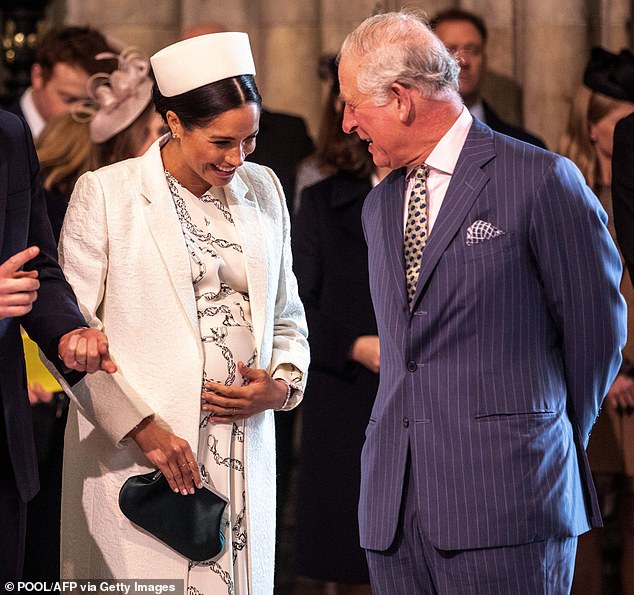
65 60
623 188
34 294
496 349
465 35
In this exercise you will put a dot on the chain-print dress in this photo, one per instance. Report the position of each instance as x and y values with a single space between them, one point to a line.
224 316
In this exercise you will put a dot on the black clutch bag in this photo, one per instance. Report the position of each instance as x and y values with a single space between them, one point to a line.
190 524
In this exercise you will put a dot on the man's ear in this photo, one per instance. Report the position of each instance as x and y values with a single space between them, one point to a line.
404 101
37 77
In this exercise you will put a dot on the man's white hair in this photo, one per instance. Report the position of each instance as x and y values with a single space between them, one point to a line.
401 47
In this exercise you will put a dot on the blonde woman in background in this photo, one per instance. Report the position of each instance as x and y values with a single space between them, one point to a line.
63 149
605 98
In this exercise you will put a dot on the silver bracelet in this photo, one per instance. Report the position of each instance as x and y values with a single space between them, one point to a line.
288 394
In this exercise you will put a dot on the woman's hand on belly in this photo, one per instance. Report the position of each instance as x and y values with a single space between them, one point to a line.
170 454
231 403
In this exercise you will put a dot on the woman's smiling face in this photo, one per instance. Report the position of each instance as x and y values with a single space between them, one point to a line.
210 155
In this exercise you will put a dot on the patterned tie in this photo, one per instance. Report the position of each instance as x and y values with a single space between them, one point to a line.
416 229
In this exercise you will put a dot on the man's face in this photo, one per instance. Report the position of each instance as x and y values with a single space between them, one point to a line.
464 41
65 87
378 125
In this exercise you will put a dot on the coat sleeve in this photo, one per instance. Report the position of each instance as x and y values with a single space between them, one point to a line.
290 333
623 189
581 270
55 312
106 399
331 338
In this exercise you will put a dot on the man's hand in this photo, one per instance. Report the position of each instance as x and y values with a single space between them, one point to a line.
18 289
621 393
38 394
86 350
367 351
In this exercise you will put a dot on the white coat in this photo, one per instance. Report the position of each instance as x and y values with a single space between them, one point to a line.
123 252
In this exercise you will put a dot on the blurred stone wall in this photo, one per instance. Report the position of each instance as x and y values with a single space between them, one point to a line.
537 48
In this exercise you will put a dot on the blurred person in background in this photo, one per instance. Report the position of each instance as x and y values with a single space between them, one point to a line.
465 34
607 96
331 265
65 60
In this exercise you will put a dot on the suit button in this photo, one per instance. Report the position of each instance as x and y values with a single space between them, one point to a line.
406 422
411 366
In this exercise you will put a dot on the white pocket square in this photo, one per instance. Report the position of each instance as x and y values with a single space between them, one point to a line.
481 231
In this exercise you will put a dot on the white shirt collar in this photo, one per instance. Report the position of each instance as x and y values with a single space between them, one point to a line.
32 116
444 155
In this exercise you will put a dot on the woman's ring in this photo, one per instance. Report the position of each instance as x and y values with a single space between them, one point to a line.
185 464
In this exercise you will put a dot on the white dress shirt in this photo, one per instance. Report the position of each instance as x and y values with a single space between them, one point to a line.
442 162
31 115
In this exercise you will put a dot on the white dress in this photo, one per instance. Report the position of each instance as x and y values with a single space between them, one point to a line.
224 315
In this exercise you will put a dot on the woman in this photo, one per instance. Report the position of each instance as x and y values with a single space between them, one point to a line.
605 98
332 271
184 255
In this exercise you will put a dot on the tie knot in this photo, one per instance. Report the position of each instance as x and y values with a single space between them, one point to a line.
421 172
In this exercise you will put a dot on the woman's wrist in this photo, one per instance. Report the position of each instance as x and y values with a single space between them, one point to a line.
287 396
140 426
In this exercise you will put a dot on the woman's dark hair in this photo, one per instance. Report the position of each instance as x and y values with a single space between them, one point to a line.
196 108
337 151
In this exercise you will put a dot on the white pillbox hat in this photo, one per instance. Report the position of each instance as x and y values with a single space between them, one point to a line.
198 61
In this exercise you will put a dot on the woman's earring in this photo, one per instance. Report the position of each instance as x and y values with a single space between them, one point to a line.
174 135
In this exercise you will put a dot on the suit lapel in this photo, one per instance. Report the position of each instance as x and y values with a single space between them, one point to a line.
166 231
247 219
4 185
393 189
466 183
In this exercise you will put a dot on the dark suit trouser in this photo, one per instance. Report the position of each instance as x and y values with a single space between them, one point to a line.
413 566
12 517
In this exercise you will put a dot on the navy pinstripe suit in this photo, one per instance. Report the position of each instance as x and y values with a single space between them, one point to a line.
493 381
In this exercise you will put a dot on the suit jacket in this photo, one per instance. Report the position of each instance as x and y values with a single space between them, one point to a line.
494 379
282 143
23 222
123 251
494 121
331 264
623 189
16 108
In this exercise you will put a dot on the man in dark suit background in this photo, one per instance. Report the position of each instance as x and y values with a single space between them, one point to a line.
465 35
495 285
34 294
